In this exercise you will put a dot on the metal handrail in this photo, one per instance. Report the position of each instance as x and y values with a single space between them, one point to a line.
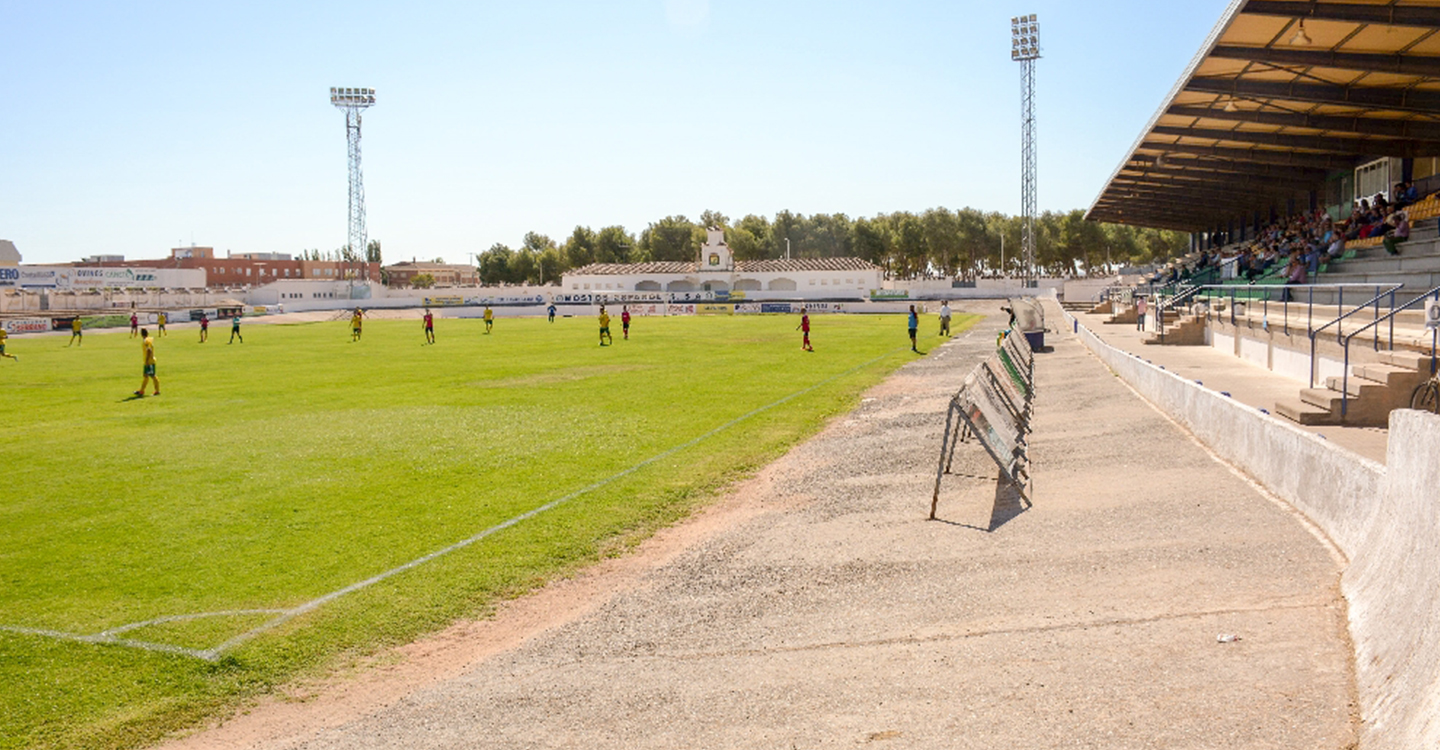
1340 328
1390 316
1251 290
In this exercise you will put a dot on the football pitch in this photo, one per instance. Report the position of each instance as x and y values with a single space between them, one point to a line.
298 500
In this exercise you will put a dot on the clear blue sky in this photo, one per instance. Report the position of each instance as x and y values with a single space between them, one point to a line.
136 127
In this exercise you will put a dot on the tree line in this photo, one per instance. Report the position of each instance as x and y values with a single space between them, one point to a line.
965 244
345 254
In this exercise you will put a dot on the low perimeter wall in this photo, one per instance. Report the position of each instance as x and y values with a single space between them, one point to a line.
1385 519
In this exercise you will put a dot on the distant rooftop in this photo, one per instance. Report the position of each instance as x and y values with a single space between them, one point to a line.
8 253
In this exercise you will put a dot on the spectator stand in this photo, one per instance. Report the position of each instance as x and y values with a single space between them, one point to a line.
994 407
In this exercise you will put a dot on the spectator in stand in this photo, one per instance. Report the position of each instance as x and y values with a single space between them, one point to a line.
1405 195
1295 275
1398 232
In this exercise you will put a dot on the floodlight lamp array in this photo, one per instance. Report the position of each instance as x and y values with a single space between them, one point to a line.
351 97
1024 37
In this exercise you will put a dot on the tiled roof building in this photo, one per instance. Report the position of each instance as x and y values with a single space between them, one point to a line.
718 271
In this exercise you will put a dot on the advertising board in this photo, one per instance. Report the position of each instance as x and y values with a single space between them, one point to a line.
889 294
79 277
26 325
454 301
775 307
679 309
714 308
9 277
41 278
506 300
992 421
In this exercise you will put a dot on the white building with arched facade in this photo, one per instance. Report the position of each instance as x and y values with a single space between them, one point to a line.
717 271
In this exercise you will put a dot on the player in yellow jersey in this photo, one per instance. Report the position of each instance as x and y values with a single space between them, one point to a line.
76 337
605 327
355 320
160 323
4 334
489 318
147 346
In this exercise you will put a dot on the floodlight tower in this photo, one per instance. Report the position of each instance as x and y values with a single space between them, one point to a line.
353 101
1025 49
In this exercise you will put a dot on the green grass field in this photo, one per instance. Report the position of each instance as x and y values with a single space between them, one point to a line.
275 472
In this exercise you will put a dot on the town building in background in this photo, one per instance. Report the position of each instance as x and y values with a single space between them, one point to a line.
402 275
251 269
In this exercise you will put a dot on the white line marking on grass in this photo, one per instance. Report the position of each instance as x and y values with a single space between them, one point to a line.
108 637
283 616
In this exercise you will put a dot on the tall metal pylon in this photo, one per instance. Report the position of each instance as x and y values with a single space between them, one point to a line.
353 101
1025 49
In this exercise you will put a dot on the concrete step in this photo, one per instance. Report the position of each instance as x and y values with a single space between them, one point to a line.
1323 398
1357 387
1375 260
1410 360
1391 376
1303 413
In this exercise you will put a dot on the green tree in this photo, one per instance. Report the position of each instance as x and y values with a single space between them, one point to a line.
495 264
579 250
869 241
787 226
613 245
826 236
372 252
422 281
523 266
536 242
549 266
911 251
671 238
750 238
942 239
710 218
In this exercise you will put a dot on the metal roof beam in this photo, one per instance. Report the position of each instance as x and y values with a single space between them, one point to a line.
1214 189
1188 207
1148 223
1172 212
1368 62
1227 180
1283 158
1154 221
1389 14
1373 97
1411 129
1329 144
1184 163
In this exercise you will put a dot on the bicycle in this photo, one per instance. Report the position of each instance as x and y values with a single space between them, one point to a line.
1427 396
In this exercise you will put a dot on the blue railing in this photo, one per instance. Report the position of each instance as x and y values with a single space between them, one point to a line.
1390 316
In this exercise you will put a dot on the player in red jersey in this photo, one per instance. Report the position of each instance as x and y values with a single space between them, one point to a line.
805 328
429 326
625 321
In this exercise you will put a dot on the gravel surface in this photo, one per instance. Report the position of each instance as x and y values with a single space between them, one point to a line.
832 614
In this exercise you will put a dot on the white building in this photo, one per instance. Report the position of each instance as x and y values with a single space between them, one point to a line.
719 272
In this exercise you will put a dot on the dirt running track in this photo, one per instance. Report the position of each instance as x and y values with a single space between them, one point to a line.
816 607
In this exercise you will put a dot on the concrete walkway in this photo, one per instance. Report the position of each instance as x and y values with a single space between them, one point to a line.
835 615
1245 381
